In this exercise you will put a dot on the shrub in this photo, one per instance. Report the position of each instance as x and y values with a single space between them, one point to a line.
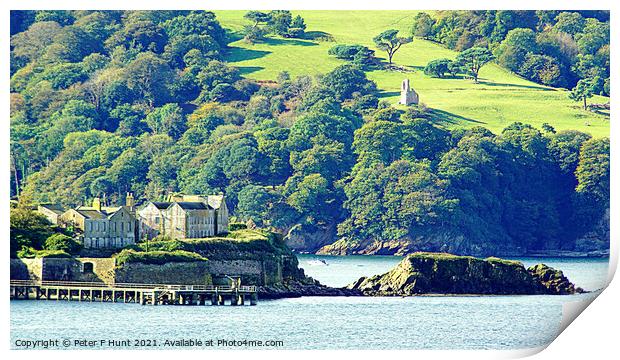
156 257
30 253
62 242
437 68
28 229
237 226
345 52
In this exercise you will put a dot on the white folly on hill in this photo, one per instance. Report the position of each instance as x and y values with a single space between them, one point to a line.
408 96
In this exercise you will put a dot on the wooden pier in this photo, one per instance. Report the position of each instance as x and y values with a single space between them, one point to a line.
145 294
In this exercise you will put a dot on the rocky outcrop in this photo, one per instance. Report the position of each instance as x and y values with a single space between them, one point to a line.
441 273
310 238
596 240
439 241
305 287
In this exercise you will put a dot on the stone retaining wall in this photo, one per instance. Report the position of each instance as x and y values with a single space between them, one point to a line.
186 273
252 272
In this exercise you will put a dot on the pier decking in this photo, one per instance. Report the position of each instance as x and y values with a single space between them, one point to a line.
145 294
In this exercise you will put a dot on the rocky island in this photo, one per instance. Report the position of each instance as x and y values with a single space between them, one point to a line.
441 273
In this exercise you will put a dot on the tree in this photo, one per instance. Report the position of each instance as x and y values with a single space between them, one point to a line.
71 44
311 195
390 42
62 242
62 17
473 59
569 22
217 72
168 119
297 27
130 120
565 147
31 43
592 193
254 203
438 68
582 92
28 229
150 77
346 52
254 34
358 54
139 34
345 80
272 143
257 17
593 170
327 159
128 170
542 69
513 50
423 25
378 141
280 21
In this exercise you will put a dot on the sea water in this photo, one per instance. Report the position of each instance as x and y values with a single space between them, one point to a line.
442 322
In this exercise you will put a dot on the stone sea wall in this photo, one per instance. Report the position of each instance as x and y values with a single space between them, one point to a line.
251 271
186 273
26 269
64 269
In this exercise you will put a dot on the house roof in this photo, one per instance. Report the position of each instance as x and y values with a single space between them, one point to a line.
193 205
91 214
57 208
215 201
161 205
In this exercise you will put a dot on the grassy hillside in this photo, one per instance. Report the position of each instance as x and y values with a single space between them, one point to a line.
500 99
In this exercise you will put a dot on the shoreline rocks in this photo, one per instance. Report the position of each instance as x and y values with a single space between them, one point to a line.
404 247
441 273
307 287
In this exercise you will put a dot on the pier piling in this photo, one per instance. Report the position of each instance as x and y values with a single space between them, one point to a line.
154 294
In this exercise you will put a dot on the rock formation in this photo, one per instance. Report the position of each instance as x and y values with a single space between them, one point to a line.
441 273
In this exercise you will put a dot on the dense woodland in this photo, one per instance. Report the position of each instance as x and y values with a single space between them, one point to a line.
104 103
549 47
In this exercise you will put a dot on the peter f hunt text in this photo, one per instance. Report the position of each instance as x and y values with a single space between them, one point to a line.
142 343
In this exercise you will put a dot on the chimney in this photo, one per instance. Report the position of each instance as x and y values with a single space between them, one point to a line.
129 201
97 204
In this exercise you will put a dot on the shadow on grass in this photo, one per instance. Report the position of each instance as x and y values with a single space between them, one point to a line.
536 87
235 54
294 42
443 117
318 36
384 94
245 70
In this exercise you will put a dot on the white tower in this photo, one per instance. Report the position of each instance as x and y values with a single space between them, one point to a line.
408 96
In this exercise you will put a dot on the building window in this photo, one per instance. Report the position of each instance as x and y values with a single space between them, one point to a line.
122 226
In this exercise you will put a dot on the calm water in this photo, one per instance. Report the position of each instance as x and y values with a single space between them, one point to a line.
494 322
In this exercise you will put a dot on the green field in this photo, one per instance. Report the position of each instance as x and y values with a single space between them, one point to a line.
498 100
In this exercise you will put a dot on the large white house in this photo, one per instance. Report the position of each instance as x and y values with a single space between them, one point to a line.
184 217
